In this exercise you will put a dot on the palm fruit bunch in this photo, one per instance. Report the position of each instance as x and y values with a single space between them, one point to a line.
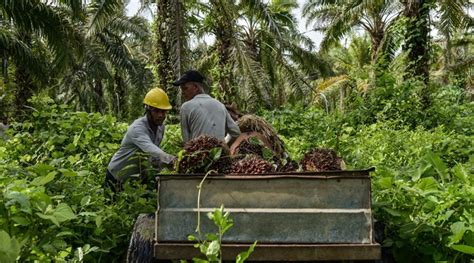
251 165
320 159
253 123
289 166
202 154
249 146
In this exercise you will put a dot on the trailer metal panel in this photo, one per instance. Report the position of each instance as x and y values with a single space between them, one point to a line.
293 216
276 252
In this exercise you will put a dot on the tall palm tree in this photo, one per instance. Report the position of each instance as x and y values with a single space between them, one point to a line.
33 23
113 64
170 48
260 58
339 17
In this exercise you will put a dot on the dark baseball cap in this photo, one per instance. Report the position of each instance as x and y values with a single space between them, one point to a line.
188 76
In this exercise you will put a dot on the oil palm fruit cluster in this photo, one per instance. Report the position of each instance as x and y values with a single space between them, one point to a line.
202 154
320 159
289 166
248 146
251 165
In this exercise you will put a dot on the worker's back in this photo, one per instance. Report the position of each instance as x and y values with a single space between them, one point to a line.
203 115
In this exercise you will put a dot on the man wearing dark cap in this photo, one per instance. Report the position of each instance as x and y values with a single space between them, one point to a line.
201 114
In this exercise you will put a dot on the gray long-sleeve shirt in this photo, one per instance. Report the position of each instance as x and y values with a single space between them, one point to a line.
139 138
204 115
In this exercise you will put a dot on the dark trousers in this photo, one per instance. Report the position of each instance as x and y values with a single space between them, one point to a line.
112 183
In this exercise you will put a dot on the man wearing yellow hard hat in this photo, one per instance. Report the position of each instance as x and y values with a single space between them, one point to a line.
144 135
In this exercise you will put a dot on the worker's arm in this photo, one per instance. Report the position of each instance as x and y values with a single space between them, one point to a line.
231 128
141 139
184 124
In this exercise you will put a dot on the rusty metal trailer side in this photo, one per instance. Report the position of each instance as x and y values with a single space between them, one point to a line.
294 217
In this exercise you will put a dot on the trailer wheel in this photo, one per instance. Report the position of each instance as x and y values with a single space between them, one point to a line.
140 248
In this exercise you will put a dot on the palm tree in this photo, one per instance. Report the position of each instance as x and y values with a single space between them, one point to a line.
259 57
112 67
170 46
33 24
339 17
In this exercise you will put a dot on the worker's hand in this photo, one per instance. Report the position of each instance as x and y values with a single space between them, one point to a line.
171 163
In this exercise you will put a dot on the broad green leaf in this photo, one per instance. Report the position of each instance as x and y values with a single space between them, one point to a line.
420 171
23 221
21 199
215 153
464 249
85 200
385 182
460 172
67 172
458 229
439 166
427 184
213 248
98 221
42 180
392 211
42 169
212 237
49 217
9 248
63 213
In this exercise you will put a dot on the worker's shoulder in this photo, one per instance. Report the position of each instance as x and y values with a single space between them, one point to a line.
138 124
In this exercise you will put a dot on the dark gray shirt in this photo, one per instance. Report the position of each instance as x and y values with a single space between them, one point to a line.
139 138
204 115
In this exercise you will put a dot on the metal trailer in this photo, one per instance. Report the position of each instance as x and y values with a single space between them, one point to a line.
300 216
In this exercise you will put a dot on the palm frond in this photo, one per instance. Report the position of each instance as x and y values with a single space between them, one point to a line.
102 13
22 54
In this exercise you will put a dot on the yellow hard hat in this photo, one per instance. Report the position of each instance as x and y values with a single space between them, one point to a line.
157 98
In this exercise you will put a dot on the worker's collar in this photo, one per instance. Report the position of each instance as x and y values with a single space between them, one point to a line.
202 95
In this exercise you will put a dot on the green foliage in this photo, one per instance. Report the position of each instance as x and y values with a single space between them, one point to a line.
52 204
423 186
211 245
428 210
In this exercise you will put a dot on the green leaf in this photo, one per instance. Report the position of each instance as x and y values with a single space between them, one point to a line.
213 248
49 217
460 172
428 184
458 229
439 166
42 180
23 221
385 182
85 200
241 257
20 198
464 249
392 211
9 248
63 213
98 221
215 153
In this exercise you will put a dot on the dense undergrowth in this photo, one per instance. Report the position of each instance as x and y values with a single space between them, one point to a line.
53 206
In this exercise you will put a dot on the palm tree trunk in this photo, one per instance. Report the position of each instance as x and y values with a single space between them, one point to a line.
224 34
24 90
417 43
417 39
98 96
163 57
5 66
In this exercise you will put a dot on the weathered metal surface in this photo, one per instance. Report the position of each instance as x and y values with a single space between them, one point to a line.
277 252
295 208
